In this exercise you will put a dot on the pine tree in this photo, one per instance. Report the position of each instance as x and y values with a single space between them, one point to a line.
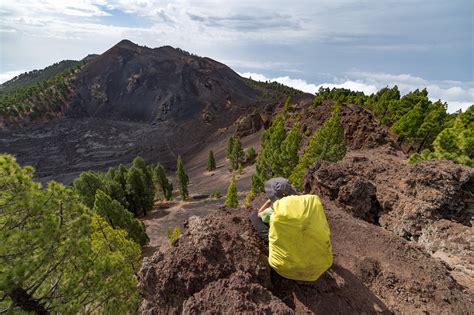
256 183
136 191
455 142
149 192
250 155
407 126
121 176
230 147
86 185
162 181
237 154
289 150
114 189
326 144
182 178
382 99
211 162
56 255
317 101
231 197
433 124
248 197
120 218
287 107
269 161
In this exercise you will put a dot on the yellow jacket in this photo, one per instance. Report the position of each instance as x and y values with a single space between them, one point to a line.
299 238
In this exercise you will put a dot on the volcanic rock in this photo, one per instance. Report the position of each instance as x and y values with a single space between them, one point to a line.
130 82
218 265
249 124
412 201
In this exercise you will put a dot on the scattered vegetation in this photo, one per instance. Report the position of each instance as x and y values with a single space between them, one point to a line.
279 155
416 121
250 155
273 89
30 78
235 153
56 253
172 235
132 187
182 179
39 93
211 162
327 143
165 188
215 194
231 199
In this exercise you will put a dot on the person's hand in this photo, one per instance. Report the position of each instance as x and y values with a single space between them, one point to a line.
264 206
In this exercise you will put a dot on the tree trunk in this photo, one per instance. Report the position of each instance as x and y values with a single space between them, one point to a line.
26 302
422 144
400 141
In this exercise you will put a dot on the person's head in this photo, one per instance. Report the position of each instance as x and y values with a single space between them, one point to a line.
279 187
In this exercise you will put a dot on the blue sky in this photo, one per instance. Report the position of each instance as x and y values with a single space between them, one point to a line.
359 44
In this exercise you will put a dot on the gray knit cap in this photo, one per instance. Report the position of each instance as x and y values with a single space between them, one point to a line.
279 187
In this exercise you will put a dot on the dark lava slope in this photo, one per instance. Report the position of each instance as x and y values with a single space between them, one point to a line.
134 100
130 82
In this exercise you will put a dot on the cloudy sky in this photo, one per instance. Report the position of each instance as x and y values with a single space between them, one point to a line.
359 44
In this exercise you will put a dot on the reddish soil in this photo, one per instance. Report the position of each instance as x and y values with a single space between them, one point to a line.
219 258
400 235
431 203
202 184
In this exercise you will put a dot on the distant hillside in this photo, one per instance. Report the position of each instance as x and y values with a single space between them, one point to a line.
29 78
129 82
38 94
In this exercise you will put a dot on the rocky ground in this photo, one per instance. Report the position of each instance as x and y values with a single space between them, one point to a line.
62 149
430 204
208 192
220 265
401 236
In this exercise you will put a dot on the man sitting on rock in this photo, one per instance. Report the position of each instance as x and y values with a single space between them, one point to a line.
296 231
275 189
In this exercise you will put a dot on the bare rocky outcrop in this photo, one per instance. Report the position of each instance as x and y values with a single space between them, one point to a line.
361 130
424 203
452 243
130 82
248 124
239 293
401 237
219 265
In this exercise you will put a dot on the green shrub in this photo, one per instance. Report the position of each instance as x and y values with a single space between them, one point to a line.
215 194
326 144
231 199
250 155
172 235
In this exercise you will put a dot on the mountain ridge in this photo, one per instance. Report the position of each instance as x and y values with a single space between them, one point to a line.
131 82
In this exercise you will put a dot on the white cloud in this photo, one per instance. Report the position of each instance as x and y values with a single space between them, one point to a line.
5 76
77 8
331 36
192 21
263 65
458 95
